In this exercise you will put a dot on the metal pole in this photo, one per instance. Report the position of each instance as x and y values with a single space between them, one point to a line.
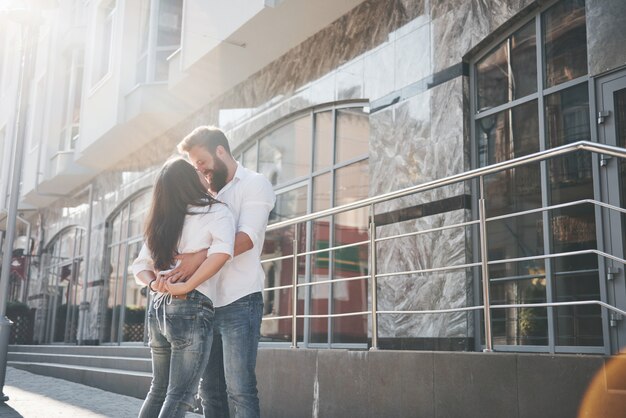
294 301
84 305
14 197
373 280
485 267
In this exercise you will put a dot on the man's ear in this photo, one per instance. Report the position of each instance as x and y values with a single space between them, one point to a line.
220 151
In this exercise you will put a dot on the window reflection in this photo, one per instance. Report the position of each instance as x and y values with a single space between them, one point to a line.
505 74
125 301
565 35
63 273
285 154
510 71
353 129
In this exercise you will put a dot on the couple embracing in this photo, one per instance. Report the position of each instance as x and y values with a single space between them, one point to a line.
201 260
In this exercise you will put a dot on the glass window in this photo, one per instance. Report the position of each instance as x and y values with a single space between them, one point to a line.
329 167
509 72
249 158
353 133
63 275
505 74
159 37
324 138
104 36
124 301
70 121
565 36
285 154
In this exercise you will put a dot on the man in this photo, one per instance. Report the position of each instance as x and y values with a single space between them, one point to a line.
230 375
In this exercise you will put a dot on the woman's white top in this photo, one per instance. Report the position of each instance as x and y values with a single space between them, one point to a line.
207 228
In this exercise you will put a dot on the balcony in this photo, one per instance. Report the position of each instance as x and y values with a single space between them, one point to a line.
224 43
59 176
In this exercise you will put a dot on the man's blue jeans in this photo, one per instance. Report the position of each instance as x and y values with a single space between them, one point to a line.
180 346
231 368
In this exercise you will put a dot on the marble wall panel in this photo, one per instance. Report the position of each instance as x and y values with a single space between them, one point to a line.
459 25
379 71
412 55
606 37
425 291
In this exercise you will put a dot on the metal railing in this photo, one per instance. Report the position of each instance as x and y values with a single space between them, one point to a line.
484 262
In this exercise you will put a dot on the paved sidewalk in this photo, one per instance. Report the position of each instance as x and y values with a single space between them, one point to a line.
32 395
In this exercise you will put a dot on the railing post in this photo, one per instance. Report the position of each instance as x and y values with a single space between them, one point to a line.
373 279
485 267
294 299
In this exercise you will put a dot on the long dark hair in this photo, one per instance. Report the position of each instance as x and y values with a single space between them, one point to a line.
177 187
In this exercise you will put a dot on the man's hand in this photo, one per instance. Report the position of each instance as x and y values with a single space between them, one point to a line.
189 263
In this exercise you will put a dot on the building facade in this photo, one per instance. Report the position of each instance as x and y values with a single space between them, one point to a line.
334 101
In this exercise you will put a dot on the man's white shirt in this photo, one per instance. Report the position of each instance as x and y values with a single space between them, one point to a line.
250 197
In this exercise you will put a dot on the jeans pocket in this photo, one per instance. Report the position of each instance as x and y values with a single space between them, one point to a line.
180 330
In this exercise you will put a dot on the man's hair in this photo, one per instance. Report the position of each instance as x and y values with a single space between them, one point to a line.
208 137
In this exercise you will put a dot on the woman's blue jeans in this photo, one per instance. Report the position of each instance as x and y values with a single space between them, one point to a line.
180 345
229 386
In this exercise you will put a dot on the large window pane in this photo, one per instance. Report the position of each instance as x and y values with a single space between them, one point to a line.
170 22
351 184
249 158
565 36
509 71
567 121
323 140
576 278
353 133
285 154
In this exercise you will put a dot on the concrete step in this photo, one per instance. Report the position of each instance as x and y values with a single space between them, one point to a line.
130 383
135 364
135 351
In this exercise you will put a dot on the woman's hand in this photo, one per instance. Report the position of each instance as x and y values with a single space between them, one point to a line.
178 288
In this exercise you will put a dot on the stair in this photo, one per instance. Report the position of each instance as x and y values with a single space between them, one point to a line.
126 370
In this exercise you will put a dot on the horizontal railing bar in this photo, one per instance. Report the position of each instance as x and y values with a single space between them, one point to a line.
270 318
557 304
561 205
335 315
426 231
545 256
288 286
338 247
464 309
338 280
433 270
468 175
516 278
271 260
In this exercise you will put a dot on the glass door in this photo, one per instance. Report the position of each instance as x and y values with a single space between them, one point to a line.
612 131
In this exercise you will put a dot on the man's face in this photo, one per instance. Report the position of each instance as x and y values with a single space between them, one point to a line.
210 166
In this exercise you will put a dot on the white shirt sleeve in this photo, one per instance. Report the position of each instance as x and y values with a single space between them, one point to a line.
142 262
222 229
258 202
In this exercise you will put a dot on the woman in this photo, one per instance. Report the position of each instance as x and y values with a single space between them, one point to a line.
183 218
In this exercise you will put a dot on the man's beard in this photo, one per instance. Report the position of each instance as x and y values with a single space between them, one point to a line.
219 174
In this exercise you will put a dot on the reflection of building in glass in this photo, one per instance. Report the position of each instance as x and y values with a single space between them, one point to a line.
357 99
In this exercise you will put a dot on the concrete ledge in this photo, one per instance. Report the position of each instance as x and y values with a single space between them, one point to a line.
383 383
339 383
106 362
117 381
